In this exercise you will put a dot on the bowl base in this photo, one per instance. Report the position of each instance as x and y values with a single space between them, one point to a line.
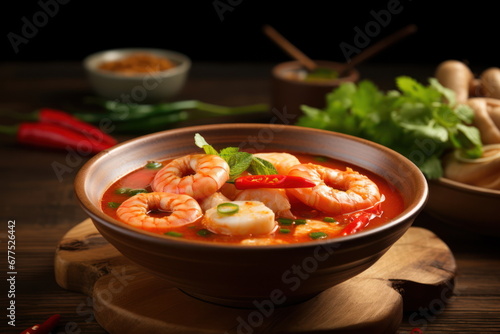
129 299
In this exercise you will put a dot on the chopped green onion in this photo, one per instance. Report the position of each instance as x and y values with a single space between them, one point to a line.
284 230
318 235
329 220
285 221
122 191
113 205
300 221
174 234
227 208
133 192
203 233
129 192
321 158
153 165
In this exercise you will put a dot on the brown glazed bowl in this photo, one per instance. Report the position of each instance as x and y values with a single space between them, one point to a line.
290 93
236 275
467 207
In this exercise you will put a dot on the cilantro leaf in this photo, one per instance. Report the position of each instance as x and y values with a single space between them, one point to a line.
419 121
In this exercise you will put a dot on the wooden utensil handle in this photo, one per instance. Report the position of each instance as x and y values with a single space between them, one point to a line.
379 46
289 47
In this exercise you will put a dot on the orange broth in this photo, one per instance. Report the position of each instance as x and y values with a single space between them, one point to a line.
141 178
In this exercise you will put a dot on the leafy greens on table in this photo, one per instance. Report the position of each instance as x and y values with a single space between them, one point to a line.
420 122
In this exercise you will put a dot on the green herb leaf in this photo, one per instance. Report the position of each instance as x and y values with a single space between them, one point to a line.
174 234
238 163
420 122
204 233
202 143
260 166
318 235
113 205
153 165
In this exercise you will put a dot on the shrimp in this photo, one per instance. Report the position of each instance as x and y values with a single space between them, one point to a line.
336 192
213 200
281 161
252 218
275 199
134 211
197 175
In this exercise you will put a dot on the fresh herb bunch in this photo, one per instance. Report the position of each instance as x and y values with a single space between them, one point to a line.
237 160
420 122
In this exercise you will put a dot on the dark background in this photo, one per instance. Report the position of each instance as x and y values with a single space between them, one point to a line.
76 28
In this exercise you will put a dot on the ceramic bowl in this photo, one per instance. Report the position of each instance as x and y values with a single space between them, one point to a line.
467 207
149 87
236 275
287 91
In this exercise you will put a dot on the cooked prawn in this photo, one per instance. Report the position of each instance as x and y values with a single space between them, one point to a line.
213 200
197 175
275 199
135 211
336 192
281 161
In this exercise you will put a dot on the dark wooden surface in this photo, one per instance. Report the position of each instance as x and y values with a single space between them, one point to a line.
44 207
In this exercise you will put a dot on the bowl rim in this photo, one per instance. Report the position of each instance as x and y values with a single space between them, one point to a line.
411 211
277 73
184 63
459 186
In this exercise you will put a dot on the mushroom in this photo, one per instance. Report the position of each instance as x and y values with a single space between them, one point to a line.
456 76
490 82
486 118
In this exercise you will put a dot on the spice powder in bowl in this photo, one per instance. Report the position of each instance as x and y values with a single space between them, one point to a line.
137 63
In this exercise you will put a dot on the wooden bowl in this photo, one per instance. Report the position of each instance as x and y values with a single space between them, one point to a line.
467 207
236 275
290 93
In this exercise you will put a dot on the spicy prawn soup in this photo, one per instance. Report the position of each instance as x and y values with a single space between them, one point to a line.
306 223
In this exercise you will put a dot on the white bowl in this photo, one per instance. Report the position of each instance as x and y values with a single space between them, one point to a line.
138 88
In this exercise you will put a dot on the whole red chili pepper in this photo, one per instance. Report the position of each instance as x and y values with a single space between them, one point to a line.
58 117
63 119
53 136
272 181
45 327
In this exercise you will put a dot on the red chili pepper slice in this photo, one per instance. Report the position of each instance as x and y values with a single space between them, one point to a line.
45 327
54 136
272 181
58 117
361 219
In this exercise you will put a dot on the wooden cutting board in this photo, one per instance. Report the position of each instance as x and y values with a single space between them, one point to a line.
418 271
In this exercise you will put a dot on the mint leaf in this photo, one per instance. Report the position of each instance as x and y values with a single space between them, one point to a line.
238 163
260 166
225 153
202 143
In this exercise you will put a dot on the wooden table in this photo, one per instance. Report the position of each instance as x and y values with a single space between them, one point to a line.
44 208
